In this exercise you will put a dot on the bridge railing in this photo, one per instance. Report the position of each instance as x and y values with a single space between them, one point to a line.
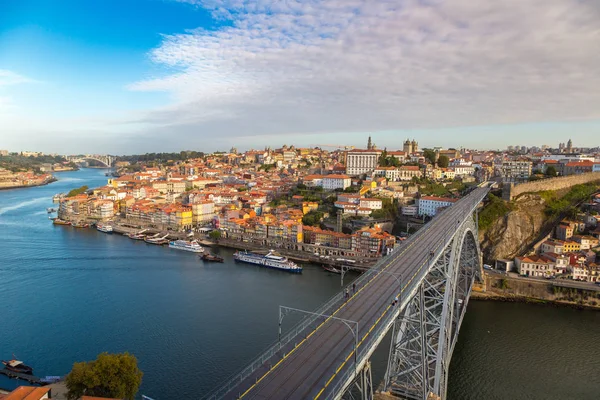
275 350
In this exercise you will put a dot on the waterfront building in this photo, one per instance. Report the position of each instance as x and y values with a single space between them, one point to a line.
535 266
203 212
28 393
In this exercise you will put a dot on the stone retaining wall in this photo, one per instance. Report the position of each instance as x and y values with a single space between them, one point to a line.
511 191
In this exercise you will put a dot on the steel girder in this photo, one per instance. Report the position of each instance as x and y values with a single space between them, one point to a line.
424 334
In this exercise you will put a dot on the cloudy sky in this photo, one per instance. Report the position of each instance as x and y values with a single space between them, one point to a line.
131 76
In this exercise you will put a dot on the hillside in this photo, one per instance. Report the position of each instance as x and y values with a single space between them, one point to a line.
509 229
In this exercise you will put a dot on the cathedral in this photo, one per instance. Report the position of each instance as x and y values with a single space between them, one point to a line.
411 147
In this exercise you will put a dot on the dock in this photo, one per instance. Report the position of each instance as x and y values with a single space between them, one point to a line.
28 378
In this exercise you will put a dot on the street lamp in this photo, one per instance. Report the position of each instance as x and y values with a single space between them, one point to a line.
283 310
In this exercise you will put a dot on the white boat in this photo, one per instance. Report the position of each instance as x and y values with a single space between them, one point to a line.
104 228
271 260
186 245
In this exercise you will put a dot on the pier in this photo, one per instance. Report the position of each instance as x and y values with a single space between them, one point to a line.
26 377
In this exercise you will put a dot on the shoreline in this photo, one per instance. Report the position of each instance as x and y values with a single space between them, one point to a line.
487 296
49 181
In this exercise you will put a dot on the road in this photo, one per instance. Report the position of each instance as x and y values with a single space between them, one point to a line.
311 367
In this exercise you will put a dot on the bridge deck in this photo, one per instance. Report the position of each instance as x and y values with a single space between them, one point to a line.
313 366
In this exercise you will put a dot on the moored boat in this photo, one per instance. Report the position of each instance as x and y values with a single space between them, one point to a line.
51 210
58 221
186 245
80 224
331 269
212 257
15 365
136 236
156 240
271 260
104 228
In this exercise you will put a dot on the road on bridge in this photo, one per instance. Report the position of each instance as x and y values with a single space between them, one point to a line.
313 366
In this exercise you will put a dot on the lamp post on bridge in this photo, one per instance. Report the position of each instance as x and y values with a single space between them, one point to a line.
283 310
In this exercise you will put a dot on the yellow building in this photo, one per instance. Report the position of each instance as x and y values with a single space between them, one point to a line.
309 206
571 246
184 218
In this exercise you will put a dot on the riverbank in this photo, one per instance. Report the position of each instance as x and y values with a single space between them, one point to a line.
20 185
508 289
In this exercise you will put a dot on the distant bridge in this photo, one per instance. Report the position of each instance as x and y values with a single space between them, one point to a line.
327 354
105 160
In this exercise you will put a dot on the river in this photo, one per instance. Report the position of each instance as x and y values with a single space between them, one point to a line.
69 294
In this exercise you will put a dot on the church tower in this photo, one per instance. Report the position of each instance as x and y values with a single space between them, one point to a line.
408 147
369 144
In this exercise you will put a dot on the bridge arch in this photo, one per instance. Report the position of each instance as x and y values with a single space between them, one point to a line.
425 334
105 163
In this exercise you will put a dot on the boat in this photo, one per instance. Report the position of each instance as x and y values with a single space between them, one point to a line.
104 228
136 236
186 245
15 365
51 210
331 269
212 257
157 240
58 221
271 260
80 225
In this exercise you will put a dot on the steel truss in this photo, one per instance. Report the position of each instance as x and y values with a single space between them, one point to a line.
425 333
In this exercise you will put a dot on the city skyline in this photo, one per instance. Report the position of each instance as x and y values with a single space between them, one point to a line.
171 75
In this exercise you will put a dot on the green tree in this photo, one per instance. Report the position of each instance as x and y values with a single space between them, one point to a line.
110 375
312 218
77 191
443 161
551 171
216 235
383 159
429 155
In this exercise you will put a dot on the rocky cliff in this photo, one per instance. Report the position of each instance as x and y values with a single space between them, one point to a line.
511 235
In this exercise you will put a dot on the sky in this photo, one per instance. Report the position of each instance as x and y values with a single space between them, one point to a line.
136 76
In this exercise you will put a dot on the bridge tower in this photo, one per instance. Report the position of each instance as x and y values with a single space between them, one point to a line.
426 331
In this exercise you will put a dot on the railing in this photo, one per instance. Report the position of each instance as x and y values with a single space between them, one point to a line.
306 322
302 326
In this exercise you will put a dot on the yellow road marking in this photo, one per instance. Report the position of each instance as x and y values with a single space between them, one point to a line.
365 336
332 315
323 323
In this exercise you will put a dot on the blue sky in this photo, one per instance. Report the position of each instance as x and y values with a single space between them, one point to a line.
155 75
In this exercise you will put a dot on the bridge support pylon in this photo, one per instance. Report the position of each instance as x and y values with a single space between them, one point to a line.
424 334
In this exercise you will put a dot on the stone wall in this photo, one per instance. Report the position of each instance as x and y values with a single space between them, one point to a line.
511 191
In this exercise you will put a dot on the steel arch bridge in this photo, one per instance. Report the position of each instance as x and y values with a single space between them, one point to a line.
107 160
420 293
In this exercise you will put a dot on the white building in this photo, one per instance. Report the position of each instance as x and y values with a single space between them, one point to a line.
535 266
411 211
359 162
333 182
429 205
203 211
516 171
371 203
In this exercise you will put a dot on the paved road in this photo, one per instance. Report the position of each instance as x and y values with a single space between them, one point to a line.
312 366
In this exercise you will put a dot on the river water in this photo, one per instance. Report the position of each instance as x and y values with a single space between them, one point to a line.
68 294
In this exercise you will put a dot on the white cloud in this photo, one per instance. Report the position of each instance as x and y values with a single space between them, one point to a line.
12 78
360 65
